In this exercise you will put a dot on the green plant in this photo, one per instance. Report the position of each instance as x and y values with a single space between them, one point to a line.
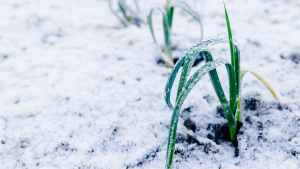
125 9
232 108
167 24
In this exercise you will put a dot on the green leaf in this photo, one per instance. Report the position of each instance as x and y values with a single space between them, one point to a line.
235 61
181 98
167 33
149 20
238 80
238 115
122 6
167 55
170 12
229 36
237 67
189 61
171 80
124 22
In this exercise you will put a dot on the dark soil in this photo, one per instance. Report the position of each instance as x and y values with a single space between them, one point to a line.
185 114
221 134
189 124
295 153
160 62
261 107
188 139
295 57
220 111
136 21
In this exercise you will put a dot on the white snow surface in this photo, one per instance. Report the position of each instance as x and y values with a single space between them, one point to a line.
78 90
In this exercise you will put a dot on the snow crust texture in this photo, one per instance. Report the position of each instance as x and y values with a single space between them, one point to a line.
77 90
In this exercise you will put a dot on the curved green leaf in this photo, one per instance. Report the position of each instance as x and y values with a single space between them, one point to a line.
171 80
124 7
124 22
197 48
149 20
166 56
188 63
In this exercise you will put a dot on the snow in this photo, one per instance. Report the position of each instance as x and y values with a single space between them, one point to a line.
77 90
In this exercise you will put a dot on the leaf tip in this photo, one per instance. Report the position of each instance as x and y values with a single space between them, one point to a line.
224 6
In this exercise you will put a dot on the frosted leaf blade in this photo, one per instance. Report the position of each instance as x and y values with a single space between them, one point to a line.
229 36
198 47
171 80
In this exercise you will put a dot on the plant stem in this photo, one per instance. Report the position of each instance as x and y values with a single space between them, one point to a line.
167 56
167 34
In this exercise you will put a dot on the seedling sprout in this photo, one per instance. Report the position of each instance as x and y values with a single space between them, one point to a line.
167 24
232 108
125 9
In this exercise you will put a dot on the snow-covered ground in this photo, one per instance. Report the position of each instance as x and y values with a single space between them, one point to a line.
77 90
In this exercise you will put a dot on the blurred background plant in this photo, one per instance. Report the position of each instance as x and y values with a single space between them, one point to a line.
167 25
129 15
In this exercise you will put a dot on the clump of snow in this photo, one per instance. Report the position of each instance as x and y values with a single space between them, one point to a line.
77 90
